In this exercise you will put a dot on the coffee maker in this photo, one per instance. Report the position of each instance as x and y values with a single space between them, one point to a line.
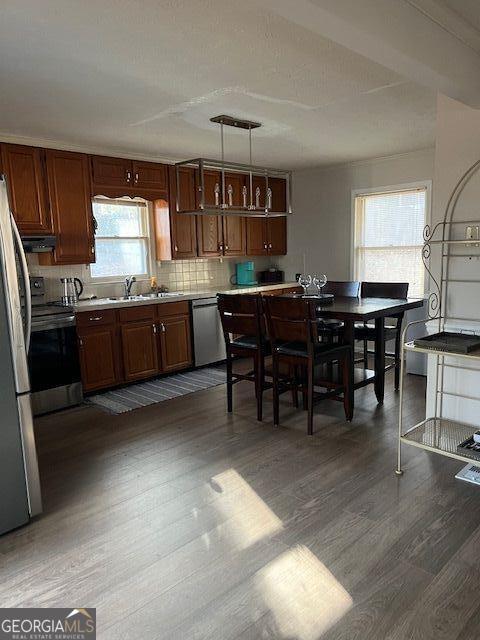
245 273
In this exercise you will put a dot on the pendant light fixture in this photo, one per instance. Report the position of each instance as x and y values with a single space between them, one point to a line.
257 198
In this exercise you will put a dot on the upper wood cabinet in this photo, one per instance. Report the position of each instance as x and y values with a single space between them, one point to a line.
234 236
175 233
149 175
266 236
256 237
25 171
116 177
278 187
209 236
277 236
71 205
111 172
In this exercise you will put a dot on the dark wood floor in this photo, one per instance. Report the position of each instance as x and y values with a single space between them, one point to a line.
177 521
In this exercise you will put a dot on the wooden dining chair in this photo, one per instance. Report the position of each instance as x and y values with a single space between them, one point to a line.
342 288
329 328
243 327
366 332
293 331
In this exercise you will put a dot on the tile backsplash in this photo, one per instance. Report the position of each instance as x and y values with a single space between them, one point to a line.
179 275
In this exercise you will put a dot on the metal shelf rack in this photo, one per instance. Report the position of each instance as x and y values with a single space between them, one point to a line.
438 433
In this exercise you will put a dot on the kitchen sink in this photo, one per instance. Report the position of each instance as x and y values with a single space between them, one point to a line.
149 296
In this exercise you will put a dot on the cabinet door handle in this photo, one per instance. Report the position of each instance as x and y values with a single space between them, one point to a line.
95 318
154 327
217 194
128 175
244 196
226 247
163 328
230 195
136 178
265 246
80 342
92 249
270 245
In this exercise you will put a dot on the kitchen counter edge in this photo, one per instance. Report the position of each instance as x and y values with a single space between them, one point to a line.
105 303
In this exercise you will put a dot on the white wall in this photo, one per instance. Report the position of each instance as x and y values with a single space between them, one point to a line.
319 233
457 148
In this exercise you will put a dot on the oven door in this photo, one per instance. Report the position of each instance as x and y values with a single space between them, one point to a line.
54 365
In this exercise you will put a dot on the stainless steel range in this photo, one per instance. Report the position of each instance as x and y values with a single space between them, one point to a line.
53 356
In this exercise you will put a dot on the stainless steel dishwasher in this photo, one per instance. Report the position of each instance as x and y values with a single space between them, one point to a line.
207 332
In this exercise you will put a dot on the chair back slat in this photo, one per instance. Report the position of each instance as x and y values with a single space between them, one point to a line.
384 290
241 314
346 289
290 319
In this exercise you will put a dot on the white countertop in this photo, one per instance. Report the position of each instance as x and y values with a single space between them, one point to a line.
109 303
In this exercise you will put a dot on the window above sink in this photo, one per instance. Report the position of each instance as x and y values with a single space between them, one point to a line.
122 240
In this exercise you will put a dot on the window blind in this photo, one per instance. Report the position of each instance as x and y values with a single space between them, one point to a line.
389 238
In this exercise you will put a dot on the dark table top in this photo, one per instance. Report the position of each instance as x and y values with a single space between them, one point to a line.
364 308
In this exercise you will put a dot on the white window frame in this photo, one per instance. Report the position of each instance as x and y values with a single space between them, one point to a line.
405 186
92 280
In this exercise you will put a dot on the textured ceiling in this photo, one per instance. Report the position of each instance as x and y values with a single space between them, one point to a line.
469 10
144 77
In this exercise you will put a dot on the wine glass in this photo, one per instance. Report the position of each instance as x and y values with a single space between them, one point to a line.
319 282
305 280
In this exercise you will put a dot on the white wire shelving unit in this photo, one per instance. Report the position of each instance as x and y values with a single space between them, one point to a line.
438 433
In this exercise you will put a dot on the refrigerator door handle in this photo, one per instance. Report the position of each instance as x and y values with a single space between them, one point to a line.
26 282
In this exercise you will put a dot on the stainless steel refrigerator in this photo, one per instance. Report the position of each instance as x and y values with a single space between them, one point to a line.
20 496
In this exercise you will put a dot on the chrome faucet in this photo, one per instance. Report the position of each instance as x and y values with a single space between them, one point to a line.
129 280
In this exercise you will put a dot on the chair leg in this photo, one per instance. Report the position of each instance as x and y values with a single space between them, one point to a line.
365 354
229 382
310 399
259 384
348 387
276 391
397 360
294 377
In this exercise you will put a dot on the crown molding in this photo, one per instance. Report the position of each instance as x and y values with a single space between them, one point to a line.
93 150
367 161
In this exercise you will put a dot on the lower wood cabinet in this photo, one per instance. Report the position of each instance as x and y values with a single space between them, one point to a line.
175 342
139 350
133 343
98 349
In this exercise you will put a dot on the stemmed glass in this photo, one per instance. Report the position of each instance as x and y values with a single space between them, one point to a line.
319 282
305 280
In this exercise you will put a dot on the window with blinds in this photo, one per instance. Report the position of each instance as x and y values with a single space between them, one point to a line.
122 241
389 238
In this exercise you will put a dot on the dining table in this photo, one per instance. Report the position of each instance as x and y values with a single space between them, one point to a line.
352 310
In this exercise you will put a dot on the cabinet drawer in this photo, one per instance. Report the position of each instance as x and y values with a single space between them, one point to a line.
173 309
132 314
95 318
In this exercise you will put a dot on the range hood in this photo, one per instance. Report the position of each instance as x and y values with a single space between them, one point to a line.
251 205
38 244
